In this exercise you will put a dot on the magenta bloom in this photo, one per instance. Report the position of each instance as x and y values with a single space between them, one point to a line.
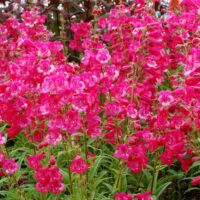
123 152
113 108
167 158
79 166
165 98
196 181
131 111
103 56
144 196
123 196
10 166
34 161
53 137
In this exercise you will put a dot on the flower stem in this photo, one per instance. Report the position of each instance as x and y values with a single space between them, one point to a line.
118 179
86 156
155 176
70 181
69 171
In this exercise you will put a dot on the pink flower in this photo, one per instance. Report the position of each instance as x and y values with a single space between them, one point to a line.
103 56
123 196
113 108
54 84
103 22
93 126
111 72
73 121
137 160
144 113
144 196
10 166
79 166
185 162
52 161
131 111
13 131
136 165
34 161
167 158
94 132
174 141
196 181
165 98
123 151
53 137
77 85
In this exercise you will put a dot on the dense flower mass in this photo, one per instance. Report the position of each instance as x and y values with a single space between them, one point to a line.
136 88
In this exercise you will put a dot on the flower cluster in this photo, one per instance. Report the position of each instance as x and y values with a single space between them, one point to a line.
8 165
49 179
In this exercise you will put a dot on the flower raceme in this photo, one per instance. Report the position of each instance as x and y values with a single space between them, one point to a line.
49 179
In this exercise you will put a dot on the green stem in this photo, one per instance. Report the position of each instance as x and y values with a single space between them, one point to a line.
44 196
140 178
69 172
86 156
70 181
118 179
20 190
155 176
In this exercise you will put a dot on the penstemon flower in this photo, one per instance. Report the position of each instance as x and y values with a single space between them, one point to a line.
34 161
10 166
196 181
123 196
144 196
78 165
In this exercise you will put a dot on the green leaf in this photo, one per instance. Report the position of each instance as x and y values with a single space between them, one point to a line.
192 189
161 189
